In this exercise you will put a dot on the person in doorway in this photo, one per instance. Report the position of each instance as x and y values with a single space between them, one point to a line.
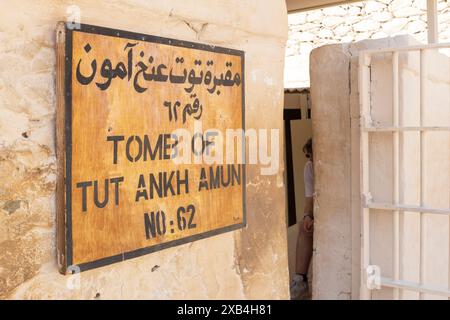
299 285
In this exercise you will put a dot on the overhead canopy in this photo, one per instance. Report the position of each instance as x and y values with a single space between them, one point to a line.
300 5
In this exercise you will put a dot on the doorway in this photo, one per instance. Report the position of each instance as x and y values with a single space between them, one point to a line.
406 259
297 130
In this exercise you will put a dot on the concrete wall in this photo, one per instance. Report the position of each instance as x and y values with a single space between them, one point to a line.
330 98
373 19
250 263
335 104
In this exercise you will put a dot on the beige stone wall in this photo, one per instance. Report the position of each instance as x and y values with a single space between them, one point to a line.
331 144
250 263
373 19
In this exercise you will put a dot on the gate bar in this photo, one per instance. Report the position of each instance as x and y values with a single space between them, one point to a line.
423 150
404 207
401 129
407 48
414 286
432 21
364 96
396 169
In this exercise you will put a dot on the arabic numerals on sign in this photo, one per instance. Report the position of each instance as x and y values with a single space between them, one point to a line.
181 217
157 223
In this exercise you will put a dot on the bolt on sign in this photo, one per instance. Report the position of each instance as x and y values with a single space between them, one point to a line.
137 118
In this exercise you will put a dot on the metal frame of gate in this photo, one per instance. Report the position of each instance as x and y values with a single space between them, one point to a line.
396 208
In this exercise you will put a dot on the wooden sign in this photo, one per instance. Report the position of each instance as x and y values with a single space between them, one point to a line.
137 121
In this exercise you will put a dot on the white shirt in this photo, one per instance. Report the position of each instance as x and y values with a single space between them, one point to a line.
308 176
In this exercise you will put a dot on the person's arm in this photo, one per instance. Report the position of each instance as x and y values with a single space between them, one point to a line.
308 210
308 217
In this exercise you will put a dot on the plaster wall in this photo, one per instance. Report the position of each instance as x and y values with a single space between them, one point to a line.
249 263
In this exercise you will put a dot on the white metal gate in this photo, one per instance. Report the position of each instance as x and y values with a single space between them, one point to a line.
405 172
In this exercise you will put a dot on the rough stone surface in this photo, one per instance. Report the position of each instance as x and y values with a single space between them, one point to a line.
382 16
358 21
366 25
250 263
395 25
416 26
329 87
325 33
